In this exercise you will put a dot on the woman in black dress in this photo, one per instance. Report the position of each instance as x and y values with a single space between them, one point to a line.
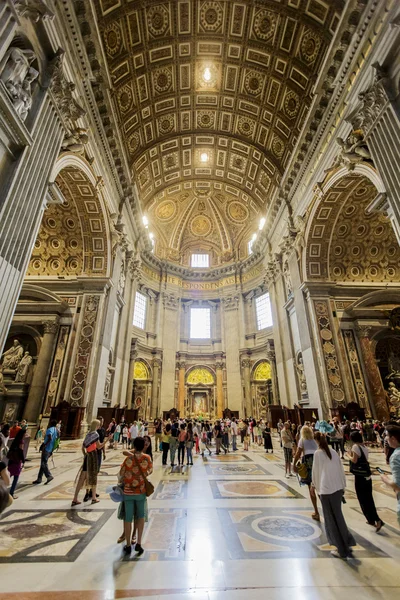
268 439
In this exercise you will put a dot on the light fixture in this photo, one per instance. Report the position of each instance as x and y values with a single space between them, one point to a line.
261 223
207 74
145 221
204 157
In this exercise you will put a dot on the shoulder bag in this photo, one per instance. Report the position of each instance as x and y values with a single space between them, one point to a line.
148 485
361 468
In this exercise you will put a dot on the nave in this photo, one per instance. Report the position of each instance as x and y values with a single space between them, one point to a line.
230 527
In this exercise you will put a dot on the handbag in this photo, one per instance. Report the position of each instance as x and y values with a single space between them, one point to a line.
302 470
148 485
361 467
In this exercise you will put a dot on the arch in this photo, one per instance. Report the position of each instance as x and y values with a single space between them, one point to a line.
376 299
262 371
346 241
200 375
74 237
142 371
30 291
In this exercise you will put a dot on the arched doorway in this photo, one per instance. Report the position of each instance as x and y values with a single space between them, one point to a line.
261 382
200 382
141 391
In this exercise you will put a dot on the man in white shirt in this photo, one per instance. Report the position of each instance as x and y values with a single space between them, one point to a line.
134 432
234 430
287 443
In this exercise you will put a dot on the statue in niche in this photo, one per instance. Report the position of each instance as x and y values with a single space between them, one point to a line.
23 368
107 384
288 280
394 398
3 389
300 373
17 76
12 357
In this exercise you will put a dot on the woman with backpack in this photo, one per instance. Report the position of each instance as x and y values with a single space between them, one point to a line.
361 470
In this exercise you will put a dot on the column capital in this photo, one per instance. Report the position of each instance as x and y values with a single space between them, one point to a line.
246 363
219 365
230 302
133 354
51 326
181 364
135 268
157 362
272 271
363 331
372 102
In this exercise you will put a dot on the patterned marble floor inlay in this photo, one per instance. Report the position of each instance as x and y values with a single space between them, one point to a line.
252 489
236 469
48 535
278 532
173 489
65 491
227 458
165 534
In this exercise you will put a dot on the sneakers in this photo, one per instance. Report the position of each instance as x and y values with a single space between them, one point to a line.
139 549
336 554
287 476
36 482
49 479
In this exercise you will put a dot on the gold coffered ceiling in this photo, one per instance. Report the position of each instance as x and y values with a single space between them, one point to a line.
228 79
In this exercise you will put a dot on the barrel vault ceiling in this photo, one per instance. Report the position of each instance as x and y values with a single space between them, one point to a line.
209 98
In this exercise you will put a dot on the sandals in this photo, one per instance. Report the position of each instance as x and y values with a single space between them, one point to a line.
75 503
122 538
316 517
95 501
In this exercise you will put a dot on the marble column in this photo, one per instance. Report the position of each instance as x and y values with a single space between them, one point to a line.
378 117
8 25
129 389
247 387
275 388
154 389
230 321
37 389
379 400
220 389
181 389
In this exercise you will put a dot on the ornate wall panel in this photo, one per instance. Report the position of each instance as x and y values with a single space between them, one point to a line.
355 367
337 394
84 351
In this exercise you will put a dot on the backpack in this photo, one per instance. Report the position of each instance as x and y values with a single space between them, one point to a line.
361 468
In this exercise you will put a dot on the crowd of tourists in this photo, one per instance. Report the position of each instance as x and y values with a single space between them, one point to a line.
314 452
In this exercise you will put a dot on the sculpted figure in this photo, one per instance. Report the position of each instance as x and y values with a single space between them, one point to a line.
354 149
23 368
300 373
17 75
3 389
12 356
394 397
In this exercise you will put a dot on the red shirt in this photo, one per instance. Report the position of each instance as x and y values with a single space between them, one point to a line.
133 479
14 430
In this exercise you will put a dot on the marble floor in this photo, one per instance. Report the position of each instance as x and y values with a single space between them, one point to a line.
230 527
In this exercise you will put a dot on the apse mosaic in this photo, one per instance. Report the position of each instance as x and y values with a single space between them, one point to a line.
257 489
279 532
48 535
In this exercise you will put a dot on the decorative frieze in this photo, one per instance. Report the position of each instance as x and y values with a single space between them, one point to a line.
355 368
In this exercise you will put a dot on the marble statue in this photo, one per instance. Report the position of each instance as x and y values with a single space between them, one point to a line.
17 75
394 397
353 150
12 357
394 367
75 140
23 368
3 389
300 373
288 280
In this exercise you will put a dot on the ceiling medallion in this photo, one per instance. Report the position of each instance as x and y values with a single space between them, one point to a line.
264 25
200 225
157 20
166 210
238 212
211 16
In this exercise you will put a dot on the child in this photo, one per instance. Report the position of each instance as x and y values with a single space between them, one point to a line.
197 441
